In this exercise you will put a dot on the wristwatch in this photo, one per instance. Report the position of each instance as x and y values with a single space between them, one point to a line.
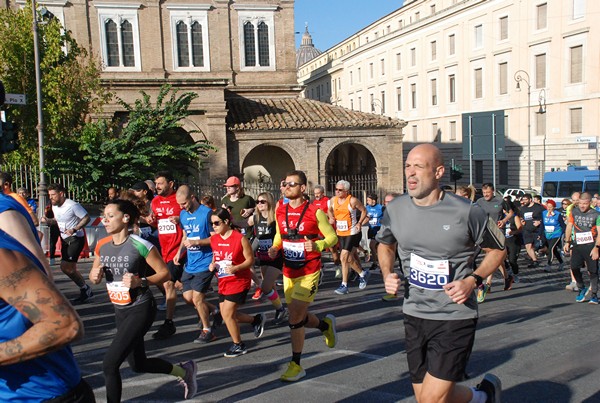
478 279
144 282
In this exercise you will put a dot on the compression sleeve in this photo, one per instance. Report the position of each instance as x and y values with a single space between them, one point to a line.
327 231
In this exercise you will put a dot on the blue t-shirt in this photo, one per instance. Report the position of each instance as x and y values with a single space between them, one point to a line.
41 378
553 225
197 225
375 213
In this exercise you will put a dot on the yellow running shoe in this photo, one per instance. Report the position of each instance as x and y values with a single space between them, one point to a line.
330 334
389 297
293 373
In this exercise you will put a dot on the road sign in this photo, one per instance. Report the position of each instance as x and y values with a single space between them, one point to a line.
586 139
15 99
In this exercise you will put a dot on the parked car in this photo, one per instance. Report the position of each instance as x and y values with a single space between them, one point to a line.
516 194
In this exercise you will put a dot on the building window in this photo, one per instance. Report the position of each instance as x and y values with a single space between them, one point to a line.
540 124
451 44
434 133
359 75
503 28
503 172
413 57
413 96
351 104
190 32
399 99
319 92
398 61
119 36
576 68
433 51
371 70
541 16
433 91
452 130
478 171
414 133
351 80
503 78
382 62
478 36
478 83
382 94
257 38
432 8
452 88
540 71
576 120
539 169
417 16
360 104
578 9
372 102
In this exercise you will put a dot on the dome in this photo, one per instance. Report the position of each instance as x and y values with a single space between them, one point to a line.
307 50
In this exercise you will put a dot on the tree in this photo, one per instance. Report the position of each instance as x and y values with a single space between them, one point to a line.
71 84
149 139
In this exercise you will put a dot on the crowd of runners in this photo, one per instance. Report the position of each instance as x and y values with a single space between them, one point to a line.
166 238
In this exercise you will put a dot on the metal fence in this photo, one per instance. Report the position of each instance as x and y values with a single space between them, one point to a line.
360 185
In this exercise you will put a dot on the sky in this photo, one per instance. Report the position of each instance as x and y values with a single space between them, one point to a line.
331 21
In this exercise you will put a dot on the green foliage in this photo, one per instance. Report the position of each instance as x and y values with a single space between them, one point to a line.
71 85
121 153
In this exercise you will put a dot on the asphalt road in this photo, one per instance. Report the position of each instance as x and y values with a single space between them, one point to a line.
535 337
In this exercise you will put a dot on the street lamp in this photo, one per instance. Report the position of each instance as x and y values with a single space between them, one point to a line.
521 75
42 188
376 103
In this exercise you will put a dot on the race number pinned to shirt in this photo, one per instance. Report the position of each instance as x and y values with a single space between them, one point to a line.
528 216
294 251
429 274
583 238
549 228
264 244
221 266
341 225
118 293
165 226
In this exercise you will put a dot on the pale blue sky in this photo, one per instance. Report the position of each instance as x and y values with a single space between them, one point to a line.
331 21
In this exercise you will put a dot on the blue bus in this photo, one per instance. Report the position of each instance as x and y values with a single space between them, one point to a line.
559 185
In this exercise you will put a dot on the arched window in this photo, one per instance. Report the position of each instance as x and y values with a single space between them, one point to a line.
197 46
263 44
127 42
249 44
112 43
183 58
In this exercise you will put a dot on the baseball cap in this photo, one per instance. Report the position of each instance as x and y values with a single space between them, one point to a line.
140 186
551 202
232 181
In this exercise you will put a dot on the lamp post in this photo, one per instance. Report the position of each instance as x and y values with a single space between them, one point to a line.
521 75
376 103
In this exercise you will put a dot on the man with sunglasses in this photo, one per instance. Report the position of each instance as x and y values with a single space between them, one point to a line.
348 214
298 226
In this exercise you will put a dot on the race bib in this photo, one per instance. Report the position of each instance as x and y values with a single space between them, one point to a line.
528 216
583 238
118 293
221 266
62 226
549 228
145 232
264 244
429 274
373 221
294 251
507 233
341 225
165 226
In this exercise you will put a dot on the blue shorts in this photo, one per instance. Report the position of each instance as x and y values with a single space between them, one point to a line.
199 282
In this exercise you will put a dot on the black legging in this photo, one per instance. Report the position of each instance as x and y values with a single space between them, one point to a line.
553 245
513 247
132 325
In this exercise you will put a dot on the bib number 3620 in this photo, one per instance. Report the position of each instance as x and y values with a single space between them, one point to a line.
429 274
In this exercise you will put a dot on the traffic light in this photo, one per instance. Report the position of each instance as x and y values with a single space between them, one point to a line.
9 137
455 173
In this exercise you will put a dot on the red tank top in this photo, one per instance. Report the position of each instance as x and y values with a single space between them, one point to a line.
169 233
228 252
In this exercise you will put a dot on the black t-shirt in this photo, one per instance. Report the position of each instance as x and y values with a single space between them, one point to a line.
531 214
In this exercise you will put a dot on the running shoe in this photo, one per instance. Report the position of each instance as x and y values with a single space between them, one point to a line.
281 315
85 294
548 268
190 386
389 298
260 326
561 266
363 280
206 336
217 319
581 296
342 289
492 387
486 289
593 300
236 350
338 272
293 373
516 279
166 330
533 264
331 333
480 296
572 286
258 294
508 282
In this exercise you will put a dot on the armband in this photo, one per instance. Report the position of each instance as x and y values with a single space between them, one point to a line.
478 279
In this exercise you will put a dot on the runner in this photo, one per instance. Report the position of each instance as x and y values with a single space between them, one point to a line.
233 261
123 258
240 205
264 224
374 212
438 235
165 215
299 224
531 213
553 228
513 242
322 202
71 218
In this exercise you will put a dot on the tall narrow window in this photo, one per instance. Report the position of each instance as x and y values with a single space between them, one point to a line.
417 16
413 57
183 54
414 132
478 36
398 61
352 104
451 44
263 44
432 8
540 71
372 102
257 37
351 80
434 132
371 70
359 104
503 78
578 9
478 83
542 16
433 51
112 43
433 92
576 120
127 41
452 130
503 28
197 45
249 44
576 71
382 94
452 88
359 75
413 96
399 99
382 62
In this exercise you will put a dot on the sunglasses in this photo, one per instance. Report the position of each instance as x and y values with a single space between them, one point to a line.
290 184
261 201
340 190
216 223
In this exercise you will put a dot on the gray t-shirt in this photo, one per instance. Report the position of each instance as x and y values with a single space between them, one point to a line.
437 245
494 208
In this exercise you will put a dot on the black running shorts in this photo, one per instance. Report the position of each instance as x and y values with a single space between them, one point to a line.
350 242
71 247
438 347
239 298
176 270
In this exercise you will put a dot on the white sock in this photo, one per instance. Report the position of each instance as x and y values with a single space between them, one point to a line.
479 396
345 284
362 273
